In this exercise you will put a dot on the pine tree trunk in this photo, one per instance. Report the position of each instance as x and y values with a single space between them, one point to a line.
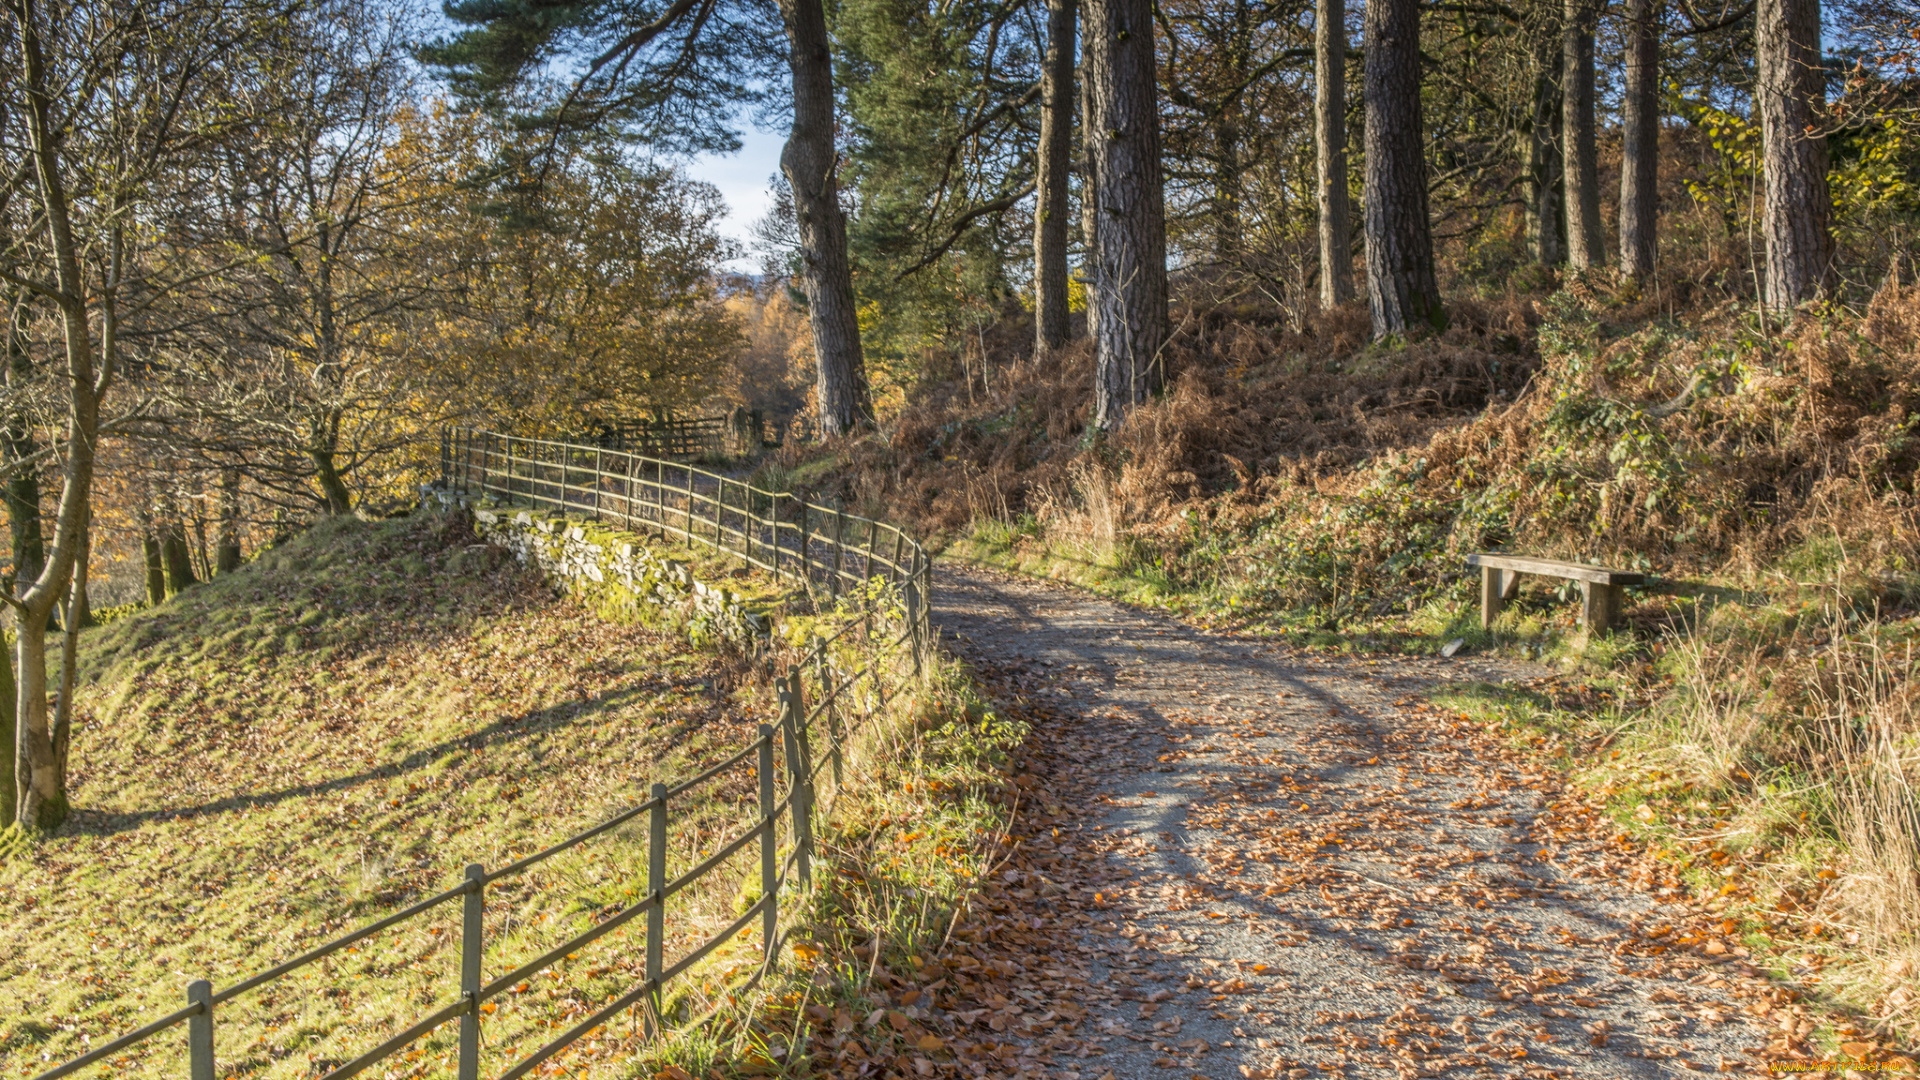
1131 282
1543 151
1400 280
226 552
10 746
1089 186
808 162
1640 142
1050 326
1798 212
1586 235
1330 129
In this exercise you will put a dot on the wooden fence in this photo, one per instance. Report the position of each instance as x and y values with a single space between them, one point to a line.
741 432
872 562
823 704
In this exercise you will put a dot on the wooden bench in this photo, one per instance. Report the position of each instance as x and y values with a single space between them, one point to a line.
1599 586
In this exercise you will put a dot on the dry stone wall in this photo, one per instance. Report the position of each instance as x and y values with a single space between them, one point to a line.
610 571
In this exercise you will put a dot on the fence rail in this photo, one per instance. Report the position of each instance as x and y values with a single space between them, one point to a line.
880 575
847 555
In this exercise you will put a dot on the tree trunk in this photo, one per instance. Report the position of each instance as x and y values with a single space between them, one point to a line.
1131 282
323 447
23 487
1798 213
80 608
77 619
1089 187
1543 151
156 566
1400 281
10 745
1640 142
226 552
808 162
43 797
1330 130
1050 326
1586 236
173 550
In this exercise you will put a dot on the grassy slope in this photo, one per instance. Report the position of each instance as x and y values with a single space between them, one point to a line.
322 737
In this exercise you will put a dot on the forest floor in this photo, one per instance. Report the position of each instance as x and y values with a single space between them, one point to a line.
1245 859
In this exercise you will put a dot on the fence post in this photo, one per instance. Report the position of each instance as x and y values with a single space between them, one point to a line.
471 921
660 499
839 545
913 609
746 523
656 886
899 538
773 512
596 483
200 1031
770 915
797 779
831 710
689 469
866 580
446 459
806 548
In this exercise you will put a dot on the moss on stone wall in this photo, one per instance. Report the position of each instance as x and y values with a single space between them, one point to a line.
612 572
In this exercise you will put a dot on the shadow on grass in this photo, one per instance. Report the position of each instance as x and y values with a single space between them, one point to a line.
505 731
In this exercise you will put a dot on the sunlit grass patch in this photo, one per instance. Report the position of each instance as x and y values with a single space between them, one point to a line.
327 735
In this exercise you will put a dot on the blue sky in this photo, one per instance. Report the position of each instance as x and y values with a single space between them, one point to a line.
742 179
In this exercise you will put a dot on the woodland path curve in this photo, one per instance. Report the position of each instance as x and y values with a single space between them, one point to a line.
1309 871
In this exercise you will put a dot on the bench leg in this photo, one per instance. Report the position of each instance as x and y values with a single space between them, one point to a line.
1491 596
1600 606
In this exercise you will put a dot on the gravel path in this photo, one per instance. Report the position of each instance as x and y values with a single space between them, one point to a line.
1277 864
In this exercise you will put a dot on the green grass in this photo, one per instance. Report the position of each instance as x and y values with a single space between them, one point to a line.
327 735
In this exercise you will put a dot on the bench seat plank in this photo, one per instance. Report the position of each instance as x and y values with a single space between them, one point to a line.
1599 575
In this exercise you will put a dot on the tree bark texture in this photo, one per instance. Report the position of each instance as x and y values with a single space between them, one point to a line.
156 566
1400 280
80 607
1544 219
1130 279
1050 216
1798 215
173 548
10 745
1330 131
809 163
1089 185
323 450
1640 142
1586 235
23 487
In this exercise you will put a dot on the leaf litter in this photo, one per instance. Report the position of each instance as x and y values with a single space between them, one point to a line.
1237 860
